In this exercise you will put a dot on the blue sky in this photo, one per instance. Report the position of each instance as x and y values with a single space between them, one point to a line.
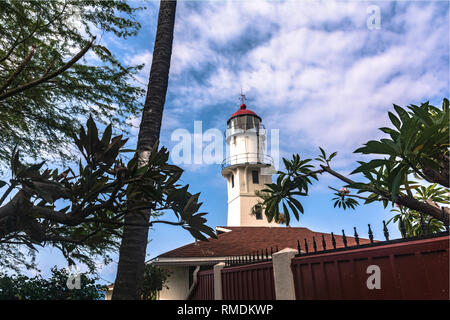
311 69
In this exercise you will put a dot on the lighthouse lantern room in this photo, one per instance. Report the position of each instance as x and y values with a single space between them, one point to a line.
245 168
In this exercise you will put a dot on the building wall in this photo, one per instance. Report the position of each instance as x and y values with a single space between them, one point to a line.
242 197
178 284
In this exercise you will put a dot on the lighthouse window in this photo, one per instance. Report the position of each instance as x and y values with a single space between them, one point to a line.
232 181
255 177
258 212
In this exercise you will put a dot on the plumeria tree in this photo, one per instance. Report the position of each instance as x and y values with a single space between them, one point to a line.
81 210
413 223
416 147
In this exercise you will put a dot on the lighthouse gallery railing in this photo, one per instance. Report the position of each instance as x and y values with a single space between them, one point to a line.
247 158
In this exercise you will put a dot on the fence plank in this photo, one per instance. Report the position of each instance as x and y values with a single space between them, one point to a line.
417 269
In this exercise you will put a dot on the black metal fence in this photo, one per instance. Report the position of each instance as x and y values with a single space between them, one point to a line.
320 246
251 257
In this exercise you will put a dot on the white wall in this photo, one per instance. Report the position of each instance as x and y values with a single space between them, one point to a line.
242 197
178 284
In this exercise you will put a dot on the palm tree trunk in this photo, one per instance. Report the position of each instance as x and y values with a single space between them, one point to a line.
130 271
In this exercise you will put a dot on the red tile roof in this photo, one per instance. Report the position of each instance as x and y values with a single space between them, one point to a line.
243 240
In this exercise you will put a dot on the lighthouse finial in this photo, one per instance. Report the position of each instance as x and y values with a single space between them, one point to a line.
242 97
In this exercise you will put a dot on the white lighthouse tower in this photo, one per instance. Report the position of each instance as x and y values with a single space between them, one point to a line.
245 169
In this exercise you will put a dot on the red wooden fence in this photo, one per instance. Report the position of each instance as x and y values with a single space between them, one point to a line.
249 282
416 269
409 270
205 286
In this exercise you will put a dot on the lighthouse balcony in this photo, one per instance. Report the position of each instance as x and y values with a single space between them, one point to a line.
247 158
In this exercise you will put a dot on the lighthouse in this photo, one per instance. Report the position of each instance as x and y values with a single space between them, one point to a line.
247 168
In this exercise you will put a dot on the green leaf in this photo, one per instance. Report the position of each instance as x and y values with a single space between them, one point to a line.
107 135
398 179
332 156
286 214
294 210
395 121
370 165
323 153
376 147
297 204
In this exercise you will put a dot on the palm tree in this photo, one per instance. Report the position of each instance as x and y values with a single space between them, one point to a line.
130 271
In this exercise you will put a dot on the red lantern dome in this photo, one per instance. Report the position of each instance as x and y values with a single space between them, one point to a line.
243 111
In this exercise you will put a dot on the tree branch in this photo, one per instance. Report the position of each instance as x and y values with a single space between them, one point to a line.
36 82
441 214
18 70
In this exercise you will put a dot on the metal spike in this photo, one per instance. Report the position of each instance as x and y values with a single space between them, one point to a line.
271 252
370 234
333 240
267 254
344 238
324 245
402 228
298 247
356 236
314 245
385 231
306 246
276 248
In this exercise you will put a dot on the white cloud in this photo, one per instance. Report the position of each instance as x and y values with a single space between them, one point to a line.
143 57
320 75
